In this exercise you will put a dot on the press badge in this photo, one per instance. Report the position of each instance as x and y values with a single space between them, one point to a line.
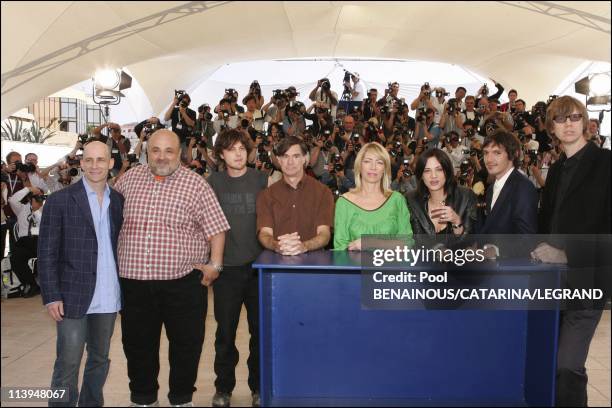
179 126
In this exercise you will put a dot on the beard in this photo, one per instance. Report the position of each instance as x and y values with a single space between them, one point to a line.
163 168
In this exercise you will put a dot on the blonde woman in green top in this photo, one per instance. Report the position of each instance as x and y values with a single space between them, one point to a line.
371 207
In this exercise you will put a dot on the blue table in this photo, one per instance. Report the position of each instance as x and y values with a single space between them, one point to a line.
319 346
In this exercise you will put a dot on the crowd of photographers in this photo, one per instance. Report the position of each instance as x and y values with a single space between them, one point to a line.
334 129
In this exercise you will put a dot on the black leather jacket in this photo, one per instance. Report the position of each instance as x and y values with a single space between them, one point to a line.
462 200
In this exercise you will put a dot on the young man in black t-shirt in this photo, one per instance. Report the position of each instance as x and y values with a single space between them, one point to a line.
237 188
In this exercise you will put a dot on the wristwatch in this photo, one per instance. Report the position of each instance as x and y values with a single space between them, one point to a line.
217 267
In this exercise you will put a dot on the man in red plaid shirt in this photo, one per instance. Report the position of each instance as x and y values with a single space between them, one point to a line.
171 220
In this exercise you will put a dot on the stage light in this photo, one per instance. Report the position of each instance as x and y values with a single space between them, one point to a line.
107 79
596 87
107 85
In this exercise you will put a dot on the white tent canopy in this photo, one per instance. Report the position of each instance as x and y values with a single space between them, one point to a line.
531 46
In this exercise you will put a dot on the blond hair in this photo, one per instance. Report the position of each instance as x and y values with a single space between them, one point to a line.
381 153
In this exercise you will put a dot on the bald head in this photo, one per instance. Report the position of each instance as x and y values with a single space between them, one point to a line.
164 137
96 163
164 151
96 148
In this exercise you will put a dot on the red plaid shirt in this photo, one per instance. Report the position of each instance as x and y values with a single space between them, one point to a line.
166 224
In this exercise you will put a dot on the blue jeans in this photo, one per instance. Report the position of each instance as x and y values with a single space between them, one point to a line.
96 331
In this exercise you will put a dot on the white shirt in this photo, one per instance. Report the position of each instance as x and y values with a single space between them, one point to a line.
439 109
25 216
360 88
319 97
499 184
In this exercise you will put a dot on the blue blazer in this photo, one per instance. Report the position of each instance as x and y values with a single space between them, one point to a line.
516 208
68 248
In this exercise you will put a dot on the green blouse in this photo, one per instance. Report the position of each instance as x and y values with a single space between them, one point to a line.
352 221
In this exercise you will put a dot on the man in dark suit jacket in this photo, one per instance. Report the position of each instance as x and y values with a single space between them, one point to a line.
512 200
576 200
77 253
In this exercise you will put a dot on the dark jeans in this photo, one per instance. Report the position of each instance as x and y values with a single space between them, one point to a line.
180 305
575 335
237 285
96 331
24 249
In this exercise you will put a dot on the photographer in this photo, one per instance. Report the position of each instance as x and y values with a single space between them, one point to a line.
338 182
423 101
395 116
255 90
294 124
119 144
204 128
510 106
254 113
494 119
439 103
460 93
357 91
454 150
451 120
27 204
426 128
322 151
530 168
369 107
405 181
483 92
320 119
37 177
226 119
232 96
144 129
537 120
275 109
183 119
322 93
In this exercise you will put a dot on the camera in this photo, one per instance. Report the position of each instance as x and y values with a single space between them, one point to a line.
464 167
39 197
83 137
325 85
485 89
207 115
73 172
255 88
26 168
533 156
232 94
452 105
178 93
291 92
244 123
439 93
470 132
264 157
149 128
328 145
520 121
539 111
279 94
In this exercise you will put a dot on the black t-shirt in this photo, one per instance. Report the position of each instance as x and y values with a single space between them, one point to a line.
179 127
238 197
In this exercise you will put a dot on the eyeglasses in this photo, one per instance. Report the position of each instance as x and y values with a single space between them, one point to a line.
574 117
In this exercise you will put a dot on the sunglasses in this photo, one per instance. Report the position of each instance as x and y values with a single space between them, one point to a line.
574 117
